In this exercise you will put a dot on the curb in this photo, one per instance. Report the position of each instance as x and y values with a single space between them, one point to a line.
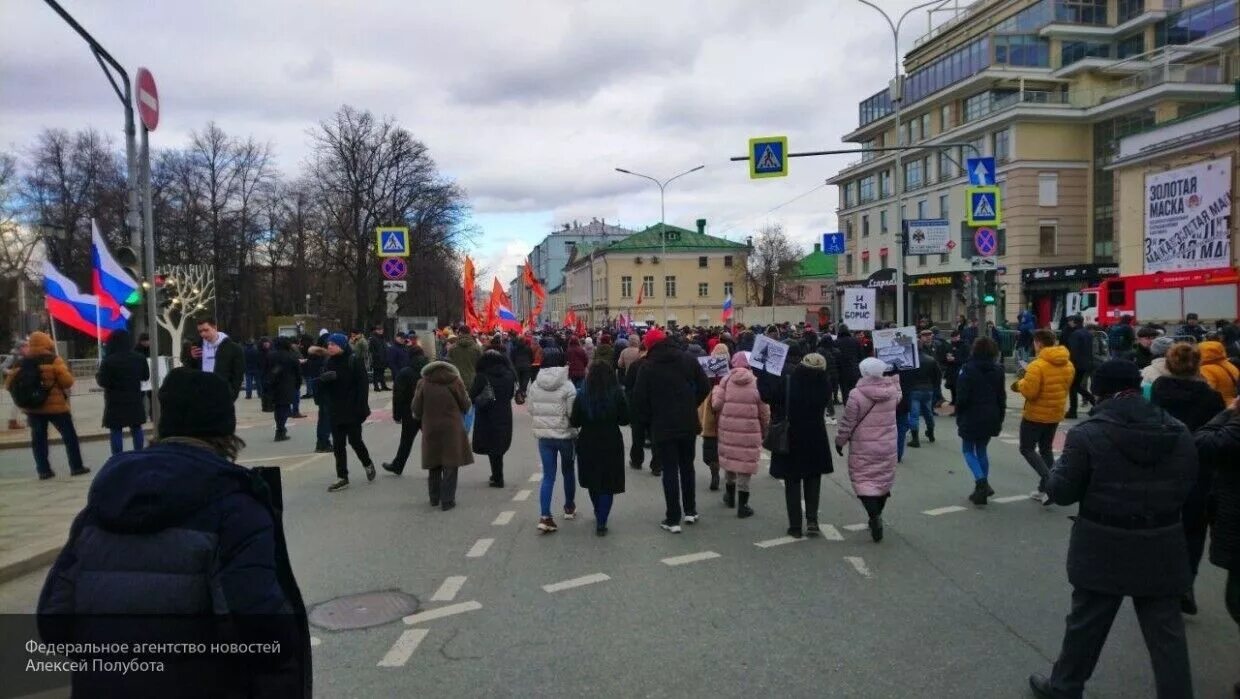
86 437
34 559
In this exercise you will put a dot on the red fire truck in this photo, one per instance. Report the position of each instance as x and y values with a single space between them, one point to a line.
1164 297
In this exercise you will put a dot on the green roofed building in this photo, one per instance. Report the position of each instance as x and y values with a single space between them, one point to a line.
813 285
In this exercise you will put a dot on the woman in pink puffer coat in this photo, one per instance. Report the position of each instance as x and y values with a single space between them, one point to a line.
869 430
743 419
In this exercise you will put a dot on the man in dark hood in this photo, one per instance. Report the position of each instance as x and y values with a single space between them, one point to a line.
1130 466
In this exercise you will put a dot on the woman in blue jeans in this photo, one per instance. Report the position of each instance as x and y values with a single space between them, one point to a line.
550 403
980 406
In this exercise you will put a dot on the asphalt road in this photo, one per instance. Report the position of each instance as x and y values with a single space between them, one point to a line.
962 603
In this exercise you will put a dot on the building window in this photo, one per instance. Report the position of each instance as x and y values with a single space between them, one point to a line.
865 265
626 287
921 209
727 289
1048 239
944 207
882 221
850 195
945 117
944 258
884 183
848 267
1001 145
1197 22
702 262
976 106
648 286
1023 50
669 286
1130 46
882 260
912 176
1081 11
570 246
703 289
1129 9
800 293
947 169
962 63
848 230
865 226
875 107
1048 189
866 189
1073 51
921 260
824 291
727 260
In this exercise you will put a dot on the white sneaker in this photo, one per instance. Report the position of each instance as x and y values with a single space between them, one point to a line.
832 421
1041 497
570 514
673 528
691 519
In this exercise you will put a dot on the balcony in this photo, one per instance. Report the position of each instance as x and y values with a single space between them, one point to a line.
1212 76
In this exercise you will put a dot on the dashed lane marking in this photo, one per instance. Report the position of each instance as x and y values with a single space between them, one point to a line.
441 612
690 558
856 527
1013 442
1010 498
830 533
944 510
576 582
447 591
775 542
503 518
522 496
535 477
858 564
403 648
479 549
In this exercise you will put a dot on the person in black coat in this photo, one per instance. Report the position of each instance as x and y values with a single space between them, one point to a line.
981 402
954 356
120 375
1131 466
377 349
523 363
177 543
253 372
218 351
831 355
670 386
851 355
282 383
598 413
640 431
344 384
493 422
1189 399
801 401
404 386
1080 343
1218 445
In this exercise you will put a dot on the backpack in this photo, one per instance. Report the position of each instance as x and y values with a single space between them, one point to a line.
27 388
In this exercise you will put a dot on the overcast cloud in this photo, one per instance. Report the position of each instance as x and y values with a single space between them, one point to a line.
528 105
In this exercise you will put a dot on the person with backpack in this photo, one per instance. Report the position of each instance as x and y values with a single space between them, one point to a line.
40 387
598 412
120 375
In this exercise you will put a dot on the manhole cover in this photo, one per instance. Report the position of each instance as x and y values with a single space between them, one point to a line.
362 610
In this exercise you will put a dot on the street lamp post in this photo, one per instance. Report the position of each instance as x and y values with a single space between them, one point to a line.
662 214
897 98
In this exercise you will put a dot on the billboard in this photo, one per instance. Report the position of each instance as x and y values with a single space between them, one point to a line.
1186 212
928 237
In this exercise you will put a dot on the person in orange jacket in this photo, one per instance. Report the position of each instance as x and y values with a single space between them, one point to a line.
40 387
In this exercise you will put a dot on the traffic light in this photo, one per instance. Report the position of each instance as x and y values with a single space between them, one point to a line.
988 288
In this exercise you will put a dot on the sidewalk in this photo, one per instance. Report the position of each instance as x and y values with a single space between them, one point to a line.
35 515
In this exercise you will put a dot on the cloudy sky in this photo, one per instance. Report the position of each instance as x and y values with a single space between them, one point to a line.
530 105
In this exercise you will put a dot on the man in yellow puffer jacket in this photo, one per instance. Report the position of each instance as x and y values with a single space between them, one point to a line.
1045 384
1220 373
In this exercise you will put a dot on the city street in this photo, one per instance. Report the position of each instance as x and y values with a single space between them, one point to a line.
957 601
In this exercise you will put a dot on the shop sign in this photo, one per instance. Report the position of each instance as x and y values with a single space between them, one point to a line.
938 280
882 279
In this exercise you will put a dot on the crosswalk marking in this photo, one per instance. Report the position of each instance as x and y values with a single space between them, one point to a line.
1010 498
858 564
944 510
777 542
522 496
690 558
503 518
403 648
576 582
441 612
479 549
447 591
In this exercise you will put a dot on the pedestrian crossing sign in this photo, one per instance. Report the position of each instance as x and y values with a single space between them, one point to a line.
392 241
983 206
768 157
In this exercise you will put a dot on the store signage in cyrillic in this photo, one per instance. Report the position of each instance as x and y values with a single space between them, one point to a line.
942 280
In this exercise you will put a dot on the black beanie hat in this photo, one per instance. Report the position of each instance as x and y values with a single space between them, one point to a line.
1114 376
193 403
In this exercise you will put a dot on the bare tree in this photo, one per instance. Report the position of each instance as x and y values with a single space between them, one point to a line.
773 259
17 246
187 290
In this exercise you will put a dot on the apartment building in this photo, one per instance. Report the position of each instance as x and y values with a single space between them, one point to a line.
1049 88
690 270
550 255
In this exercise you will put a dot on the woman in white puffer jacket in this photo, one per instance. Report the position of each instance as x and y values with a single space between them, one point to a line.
550 403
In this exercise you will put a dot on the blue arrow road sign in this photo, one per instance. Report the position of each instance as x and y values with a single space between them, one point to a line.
833 243
981 171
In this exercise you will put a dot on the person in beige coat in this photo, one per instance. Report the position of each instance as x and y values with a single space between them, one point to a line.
439 404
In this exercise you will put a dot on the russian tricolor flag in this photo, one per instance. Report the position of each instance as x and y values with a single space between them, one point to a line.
112 284
727 308
508 319
77 310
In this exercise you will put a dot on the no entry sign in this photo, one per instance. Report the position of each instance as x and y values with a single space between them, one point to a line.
148 99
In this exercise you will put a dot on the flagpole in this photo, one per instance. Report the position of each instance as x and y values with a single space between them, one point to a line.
98 335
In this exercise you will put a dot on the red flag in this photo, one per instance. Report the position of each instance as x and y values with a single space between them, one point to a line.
641 291
472 321
581 327
570 319
536 288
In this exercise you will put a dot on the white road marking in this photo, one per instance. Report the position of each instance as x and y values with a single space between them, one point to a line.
447 591
690 558
315 641
479 549
441 612
281 458
1013 442
535 477
522 496
1010 498
858 564
775 542
503 518
576 582
830 533
856 527
403 648
1005 435
944 510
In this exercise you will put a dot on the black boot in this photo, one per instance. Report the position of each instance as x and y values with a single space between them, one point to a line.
978 497
742 505
282 436
913 442
729 494
714 478
876 528
930 435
